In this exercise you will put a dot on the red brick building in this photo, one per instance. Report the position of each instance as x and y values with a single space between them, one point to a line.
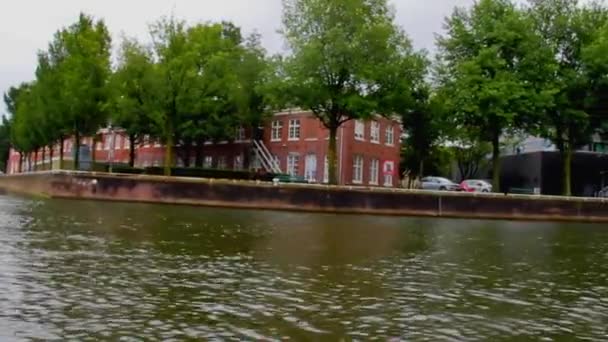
293 142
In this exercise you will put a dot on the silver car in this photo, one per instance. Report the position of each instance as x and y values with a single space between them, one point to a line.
439 183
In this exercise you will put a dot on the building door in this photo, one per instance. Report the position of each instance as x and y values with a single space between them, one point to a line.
311 168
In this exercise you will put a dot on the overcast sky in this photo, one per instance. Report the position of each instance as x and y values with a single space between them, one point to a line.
28 25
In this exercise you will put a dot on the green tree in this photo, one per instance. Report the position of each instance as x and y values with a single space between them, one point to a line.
595 59
485 59
566 29
84 71
133 93
347 61
174 71
5 142
13 99
214 52
422 127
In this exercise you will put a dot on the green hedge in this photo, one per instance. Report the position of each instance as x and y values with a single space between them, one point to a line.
128 169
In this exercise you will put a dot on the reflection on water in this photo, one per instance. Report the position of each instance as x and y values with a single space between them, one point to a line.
86 270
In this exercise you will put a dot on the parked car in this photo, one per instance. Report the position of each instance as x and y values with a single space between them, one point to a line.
476 185
439 183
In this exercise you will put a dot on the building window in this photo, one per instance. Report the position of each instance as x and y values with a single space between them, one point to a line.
375 132
192 161
277 131
326 171
127 143
359 130
358 170
146 140
240 134
118 143
294 129
238 162
221 162
390 135
389 170
107 141
310 172
156 163
374 168
157 143
208 162
293 164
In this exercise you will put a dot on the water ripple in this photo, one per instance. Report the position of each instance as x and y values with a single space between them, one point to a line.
100 271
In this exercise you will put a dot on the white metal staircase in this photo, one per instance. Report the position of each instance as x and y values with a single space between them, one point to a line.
265 157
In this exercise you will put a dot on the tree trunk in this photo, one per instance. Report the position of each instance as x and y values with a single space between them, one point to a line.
567 169
51 154
187 150
61 141
332 155
168 148
35 159
76 150
496 162
198 157
43 158
132 139
20 162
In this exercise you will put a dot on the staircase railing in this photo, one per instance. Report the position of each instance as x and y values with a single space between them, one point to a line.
265 157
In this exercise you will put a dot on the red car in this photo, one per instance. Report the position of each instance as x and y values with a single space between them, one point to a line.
472 185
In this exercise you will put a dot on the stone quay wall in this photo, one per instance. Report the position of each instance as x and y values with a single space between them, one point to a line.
302 197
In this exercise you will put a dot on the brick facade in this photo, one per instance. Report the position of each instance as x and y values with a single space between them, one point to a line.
368 152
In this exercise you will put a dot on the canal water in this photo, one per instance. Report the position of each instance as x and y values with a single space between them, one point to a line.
111 271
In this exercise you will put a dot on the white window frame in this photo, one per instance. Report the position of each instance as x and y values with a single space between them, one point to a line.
277 131
326 170
390 136
310 174
221 163
358 165
238 162
294 129
208 162
293 164
374 172
359 130
119 142
374 132
107 142
388 177
240 134
146 140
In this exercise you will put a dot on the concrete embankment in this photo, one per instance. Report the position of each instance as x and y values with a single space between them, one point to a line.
295 197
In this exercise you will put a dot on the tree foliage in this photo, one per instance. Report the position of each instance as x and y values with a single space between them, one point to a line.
348 61
486 57
567 29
